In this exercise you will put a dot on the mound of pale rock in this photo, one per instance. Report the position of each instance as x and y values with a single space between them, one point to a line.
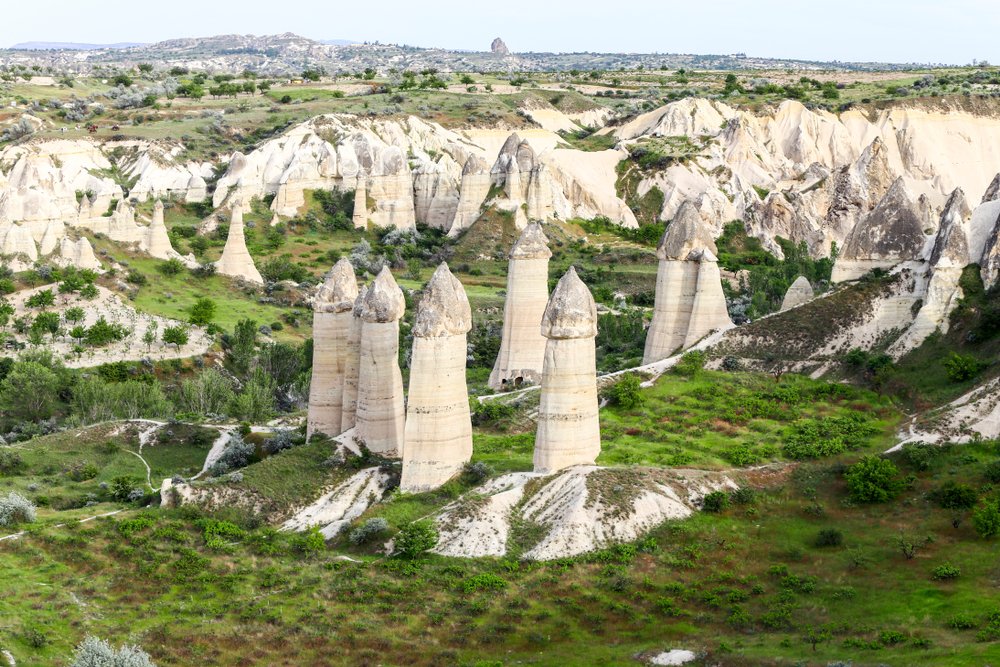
577 510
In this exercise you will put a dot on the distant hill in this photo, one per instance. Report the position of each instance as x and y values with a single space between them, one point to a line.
71 46
339 42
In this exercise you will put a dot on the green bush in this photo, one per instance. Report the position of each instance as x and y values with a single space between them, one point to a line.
873 480
715 502
627 392
961 367
491 412
416 539
992 472
986 519
690 363
484 582
946 571
954 496
829 537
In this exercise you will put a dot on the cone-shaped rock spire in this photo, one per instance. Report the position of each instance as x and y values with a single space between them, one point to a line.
380 413
156 242
568 429
522 347
798 293
236 260
438 422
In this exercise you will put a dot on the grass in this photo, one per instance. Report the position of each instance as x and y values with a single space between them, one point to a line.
741 588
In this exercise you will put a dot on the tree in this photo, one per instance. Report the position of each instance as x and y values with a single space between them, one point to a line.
149 337
256 402
78 333
986 519
416 539
208 393
873 480
74 314
36 404
202 312
46 323
243 345
42 299
175 336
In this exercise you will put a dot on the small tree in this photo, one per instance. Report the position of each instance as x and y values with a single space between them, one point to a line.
202 312
627 392
416 539
175 336
986 519
873 480
74 314
150 336
42 299
961 367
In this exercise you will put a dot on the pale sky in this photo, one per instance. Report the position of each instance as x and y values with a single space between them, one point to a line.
946 31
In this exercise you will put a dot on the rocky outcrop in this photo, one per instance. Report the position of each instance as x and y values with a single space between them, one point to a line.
798 293
523 179
689 301
949 256
155 240
499 48
568 432
352 363
436 192
120 226
473 192
333 314
16 241
438 422
55 231
236 261
390 185
522 346
380 413
79 254
892 233
986 221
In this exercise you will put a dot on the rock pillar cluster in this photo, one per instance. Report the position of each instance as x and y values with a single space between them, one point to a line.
689 298
438 421
333 315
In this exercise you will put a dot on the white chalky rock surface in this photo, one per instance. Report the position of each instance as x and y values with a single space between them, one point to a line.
155 241
236 260
438 427
352 363
380 411
333 313
798 293
569 432
335 510
522 346
689 302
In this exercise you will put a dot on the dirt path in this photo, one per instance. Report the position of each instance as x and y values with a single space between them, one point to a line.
62 525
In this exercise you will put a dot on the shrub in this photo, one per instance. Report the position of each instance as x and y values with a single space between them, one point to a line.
829 537
743 496
15 509
491 412
946 571
94 652
368 531
716 501
954 496
10 461
484 582
690 363
202 312
476 473
992 472
309 542
873 480
415 539
986 519
627 392
961 367
238 454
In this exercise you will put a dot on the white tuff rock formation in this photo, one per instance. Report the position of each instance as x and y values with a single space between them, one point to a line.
798 293
522 346
333 315
472 194
155 241
236 260
380 413
352 363
55 231
79 254
16 240
569 432
438 422
689 299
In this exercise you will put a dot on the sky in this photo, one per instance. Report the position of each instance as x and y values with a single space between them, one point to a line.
923 31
